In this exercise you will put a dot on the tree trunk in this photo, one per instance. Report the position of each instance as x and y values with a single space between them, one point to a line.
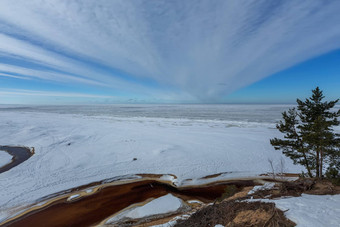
307 165
309 171
317 164
321 160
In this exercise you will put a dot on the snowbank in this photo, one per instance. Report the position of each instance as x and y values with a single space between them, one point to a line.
311 210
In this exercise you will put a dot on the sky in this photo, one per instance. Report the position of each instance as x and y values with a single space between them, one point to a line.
142 51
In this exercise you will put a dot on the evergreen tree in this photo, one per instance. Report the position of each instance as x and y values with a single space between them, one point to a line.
309 138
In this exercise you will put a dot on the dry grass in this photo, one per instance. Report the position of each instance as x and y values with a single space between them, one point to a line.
238 214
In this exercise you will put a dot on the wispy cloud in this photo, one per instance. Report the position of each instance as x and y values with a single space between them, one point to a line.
23 49
13 76
27 73
51 94
201 47
23 96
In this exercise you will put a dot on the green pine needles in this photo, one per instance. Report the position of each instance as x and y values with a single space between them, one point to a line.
309 138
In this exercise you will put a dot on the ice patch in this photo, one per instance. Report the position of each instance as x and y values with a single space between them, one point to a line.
266 186
162 205
89 190
173 221
169 178
5 158
73 197
194 201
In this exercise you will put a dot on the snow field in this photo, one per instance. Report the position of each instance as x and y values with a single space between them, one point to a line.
73 150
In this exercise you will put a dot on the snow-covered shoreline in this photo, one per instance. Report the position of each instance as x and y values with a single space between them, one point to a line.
73 150
309 210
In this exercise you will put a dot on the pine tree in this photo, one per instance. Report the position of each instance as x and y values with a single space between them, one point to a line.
309 137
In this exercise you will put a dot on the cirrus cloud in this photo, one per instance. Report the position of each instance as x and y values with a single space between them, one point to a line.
204 48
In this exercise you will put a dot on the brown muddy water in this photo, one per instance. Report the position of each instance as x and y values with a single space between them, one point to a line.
105 201
20 154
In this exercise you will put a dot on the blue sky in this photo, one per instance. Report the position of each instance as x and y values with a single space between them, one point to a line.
295 82
194 51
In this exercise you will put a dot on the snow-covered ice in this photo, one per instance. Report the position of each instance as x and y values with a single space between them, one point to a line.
76 149
73 197
265 186
5 158
173 221
162 205
311 210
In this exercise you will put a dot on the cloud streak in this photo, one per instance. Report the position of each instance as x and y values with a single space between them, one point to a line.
204 48
21 92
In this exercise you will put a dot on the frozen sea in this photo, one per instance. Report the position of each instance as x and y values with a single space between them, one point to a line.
239 113
76 145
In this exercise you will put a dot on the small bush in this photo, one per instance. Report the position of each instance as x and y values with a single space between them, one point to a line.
333 175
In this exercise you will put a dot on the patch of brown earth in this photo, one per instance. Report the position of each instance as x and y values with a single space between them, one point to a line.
287 188
304 185
259 216
253 217
242 193
238 214
324 187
